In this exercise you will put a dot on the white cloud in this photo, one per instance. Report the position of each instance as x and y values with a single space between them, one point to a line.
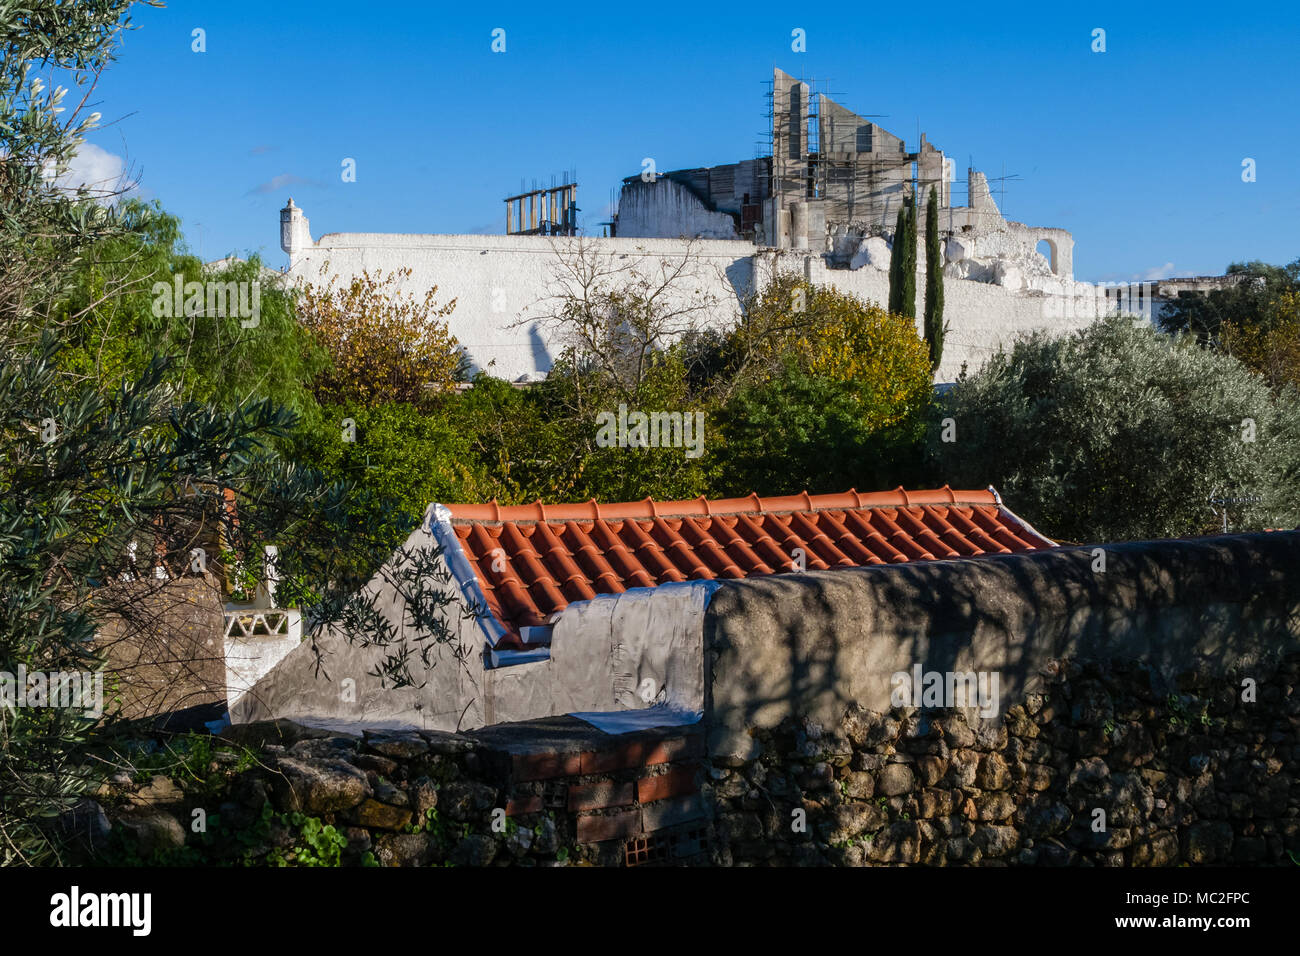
103 173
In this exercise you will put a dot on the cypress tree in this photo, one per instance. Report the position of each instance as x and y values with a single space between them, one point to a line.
908 266
933 282
896 263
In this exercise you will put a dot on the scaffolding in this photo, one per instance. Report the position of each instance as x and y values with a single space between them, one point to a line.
809 162
544 211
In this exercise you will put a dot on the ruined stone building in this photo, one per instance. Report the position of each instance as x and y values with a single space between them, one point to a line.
835 181
823 205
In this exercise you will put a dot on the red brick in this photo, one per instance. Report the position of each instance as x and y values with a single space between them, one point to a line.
679 781
597 796
622 825
674 748
543 766
622 757
521 805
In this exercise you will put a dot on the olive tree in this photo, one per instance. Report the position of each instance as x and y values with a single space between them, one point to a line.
106 487
1119 432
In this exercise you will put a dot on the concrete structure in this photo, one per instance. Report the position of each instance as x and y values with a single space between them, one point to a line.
829 197
544 212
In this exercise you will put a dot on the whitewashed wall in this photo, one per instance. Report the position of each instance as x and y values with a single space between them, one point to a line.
499 281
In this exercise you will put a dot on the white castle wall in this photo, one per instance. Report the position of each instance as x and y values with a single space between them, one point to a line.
502 283
982 317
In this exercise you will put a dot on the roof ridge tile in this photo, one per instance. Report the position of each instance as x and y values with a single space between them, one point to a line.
649 508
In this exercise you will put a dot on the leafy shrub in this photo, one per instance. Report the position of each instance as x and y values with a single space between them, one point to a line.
400 459
833 394
113 332
1121 433
799 431
384 346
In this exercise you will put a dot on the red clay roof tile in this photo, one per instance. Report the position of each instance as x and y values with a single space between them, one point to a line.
534 560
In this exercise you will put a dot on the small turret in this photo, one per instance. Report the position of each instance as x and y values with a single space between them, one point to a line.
295 230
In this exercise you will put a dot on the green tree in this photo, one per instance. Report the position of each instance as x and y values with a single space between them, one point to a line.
384 346
615 472
797 431
91 467
400 458
934 327
849 370
1121 433
522 448
44 228
1253 300
897 255
85 477
829 333
1273 350
908 265
120 312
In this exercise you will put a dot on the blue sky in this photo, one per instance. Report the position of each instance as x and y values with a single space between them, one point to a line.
1137 150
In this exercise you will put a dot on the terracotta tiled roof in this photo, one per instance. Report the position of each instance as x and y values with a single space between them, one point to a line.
534 560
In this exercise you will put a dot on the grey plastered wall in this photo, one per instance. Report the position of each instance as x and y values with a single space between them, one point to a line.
451 695
810 644
616 652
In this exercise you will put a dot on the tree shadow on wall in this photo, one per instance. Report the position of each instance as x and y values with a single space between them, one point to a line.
815 643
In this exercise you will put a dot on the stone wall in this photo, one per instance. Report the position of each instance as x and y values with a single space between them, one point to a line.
1101 767
546 792
810 644
1145 713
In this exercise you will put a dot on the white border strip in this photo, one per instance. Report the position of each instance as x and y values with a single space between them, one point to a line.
438 518
1005 512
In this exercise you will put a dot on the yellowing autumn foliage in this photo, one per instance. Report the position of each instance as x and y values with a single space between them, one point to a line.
1273 350
833 335
385 345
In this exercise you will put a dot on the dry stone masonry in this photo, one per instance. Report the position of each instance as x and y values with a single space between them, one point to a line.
1104 767
1101 769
